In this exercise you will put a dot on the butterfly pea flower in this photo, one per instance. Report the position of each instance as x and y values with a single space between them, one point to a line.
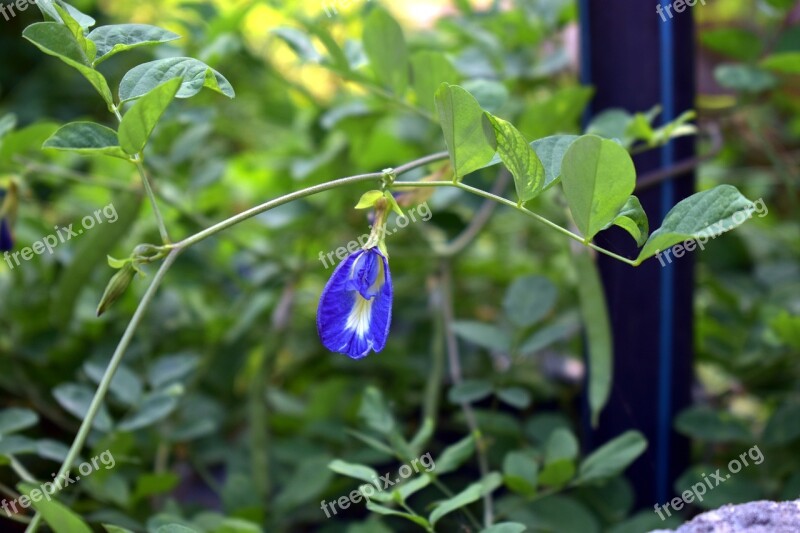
355 309
7 214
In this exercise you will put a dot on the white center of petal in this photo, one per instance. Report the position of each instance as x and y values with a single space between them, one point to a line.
360 315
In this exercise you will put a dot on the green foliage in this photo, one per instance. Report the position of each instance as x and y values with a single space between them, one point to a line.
221 386
139 122
598 178
468 132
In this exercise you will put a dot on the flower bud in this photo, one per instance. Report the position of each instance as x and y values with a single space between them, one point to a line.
116 287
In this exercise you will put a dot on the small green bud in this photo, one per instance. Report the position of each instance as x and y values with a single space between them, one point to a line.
116 287
368 199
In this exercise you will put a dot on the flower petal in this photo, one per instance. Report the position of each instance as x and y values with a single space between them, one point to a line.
355 308
6 239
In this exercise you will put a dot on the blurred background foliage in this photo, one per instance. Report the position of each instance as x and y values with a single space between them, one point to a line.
228 411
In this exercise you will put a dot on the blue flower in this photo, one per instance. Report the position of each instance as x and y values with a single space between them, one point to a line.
6 238
355 309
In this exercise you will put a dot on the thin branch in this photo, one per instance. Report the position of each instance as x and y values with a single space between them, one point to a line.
105 382
655 177
457 378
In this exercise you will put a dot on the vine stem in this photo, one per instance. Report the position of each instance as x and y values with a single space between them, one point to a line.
277 202
138 161
457 378
171 256
172 251
105 382
528 212
162 227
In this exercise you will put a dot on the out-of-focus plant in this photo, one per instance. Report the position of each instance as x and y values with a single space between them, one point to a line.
464 92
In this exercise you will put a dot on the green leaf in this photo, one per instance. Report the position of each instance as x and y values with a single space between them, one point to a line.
423 436
113 39
140 120
710 425
75 399
599 342
372 442
305 483
506 527
515 397
551 151
387 511
521 472
467 496
784 62
409 488
491 95
557 473
53 450
167 371
361 472
337 60
735 43
483 335
115 529
564 327
368 199
48 7
519 158
375 413
563 514
56 40
54 513
633 219
455 455
529 299
195 74
154 408
7 124
300 43
611 124
75 28
700 217
386 49
87 138
16 419
16 445
176 528
467 130
149 484
612 458
470 391
558 112
561 444
430 69
598 177
744 78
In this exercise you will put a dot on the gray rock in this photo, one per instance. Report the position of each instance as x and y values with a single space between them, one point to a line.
754 517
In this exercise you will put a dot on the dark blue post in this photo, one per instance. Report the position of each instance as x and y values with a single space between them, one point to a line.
635 59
